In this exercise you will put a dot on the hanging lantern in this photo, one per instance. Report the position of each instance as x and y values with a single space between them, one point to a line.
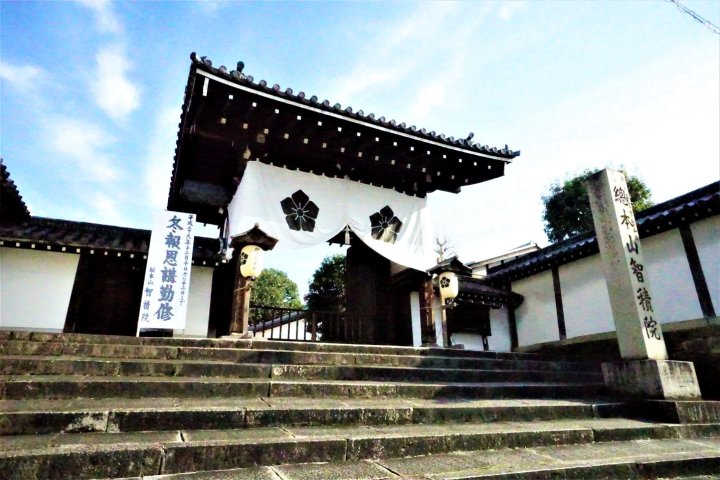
448 282
251 261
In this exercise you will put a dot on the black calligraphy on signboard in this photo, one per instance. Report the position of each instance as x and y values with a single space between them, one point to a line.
629 230
164 311
621 196
651 328
147 295
644 299
187 258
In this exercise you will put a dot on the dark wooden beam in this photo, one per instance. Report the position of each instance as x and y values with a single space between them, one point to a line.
698 276
559 303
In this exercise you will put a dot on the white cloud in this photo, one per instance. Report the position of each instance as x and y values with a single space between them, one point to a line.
395 56
82 147
428 57
107 20
114 93
660 122
210 7
159 158
508 9
107 208
21 77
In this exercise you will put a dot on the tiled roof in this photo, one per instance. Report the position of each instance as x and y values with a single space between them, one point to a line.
690 207
228 119
75 237
238 77
475 290
12 206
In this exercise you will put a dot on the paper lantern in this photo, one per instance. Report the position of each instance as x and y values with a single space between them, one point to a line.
448 282
251 261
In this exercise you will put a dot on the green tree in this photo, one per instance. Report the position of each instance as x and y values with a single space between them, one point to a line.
567 205
327 288
273 288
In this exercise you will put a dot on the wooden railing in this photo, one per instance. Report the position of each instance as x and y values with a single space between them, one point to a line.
276 323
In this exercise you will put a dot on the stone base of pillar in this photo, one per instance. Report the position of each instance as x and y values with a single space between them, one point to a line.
658 379
666 411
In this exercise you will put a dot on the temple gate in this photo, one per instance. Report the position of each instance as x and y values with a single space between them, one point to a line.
303 171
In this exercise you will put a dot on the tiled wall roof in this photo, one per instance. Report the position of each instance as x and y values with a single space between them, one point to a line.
12 206
690 207
50 234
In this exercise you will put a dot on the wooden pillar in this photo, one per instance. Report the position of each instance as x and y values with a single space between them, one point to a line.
445 336
240 314
240 304
427 318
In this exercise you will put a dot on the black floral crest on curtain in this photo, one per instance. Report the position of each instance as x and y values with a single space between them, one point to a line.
300 212
385 225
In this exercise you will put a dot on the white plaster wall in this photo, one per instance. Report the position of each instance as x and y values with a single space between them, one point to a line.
35 288
198 309
536 317
500 340
586 303
706 234
674 296
471 341
415 318
437 315
480 271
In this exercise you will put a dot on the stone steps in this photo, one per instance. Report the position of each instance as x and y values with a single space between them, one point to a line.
89 406
13 348
93 455
66 365
25 417
66 338
68 386
695 459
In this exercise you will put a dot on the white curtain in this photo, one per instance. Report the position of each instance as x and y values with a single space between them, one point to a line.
302 209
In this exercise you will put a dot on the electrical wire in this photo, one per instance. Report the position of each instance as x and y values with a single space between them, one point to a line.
710 26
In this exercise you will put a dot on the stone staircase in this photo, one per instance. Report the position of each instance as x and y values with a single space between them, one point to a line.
88 406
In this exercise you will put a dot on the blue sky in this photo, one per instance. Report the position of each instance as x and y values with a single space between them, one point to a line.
92 90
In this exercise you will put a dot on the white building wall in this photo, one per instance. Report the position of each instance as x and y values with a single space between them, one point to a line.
415 318
500 340
674 296
586 304
35 288
707 240
536 317
470 341
198 309
437 315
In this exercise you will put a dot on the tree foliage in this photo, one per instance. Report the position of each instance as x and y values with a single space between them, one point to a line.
327 288
567 205
273 288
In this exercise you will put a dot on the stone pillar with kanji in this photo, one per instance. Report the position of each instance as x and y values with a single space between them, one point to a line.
645 370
